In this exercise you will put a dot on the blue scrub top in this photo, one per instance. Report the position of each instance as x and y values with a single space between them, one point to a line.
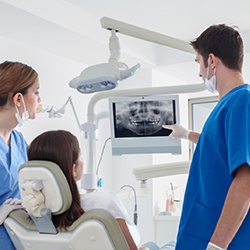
223 146
11 159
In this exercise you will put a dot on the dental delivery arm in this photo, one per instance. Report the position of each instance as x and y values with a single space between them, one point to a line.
235 208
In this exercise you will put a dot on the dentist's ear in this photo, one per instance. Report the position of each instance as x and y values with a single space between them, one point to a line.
212 61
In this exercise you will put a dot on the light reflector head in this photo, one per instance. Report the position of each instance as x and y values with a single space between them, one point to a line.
101 77
89 86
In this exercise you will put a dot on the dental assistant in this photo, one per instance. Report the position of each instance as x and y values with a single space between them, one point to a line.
215 212
19 99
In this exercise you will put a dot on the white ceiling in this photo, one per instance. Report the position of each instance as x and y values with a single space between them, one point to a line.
72 29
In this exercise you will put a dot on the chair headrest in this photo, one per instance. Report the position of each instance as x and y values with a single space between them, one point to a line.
55 188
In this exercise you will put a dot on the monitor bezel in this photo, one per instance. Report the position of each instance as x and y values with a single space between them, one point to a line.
144 145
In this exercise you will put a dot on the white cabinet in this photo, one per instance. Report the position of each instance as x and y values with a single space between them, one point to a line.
166 228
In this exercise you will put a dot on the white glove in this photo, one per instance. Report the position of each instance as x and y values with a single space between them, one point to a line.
212 246
8 206
178 131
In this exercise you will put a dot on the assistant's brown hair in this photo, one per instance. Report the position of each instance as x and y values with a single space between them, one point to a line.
224 42
15 77
62 148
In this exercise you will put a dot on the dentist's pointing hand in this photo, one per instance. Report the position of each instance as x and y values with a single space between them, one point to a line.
178 132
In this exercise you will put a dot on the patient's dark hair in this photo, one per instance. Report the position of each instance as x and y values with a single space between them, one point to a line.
62 148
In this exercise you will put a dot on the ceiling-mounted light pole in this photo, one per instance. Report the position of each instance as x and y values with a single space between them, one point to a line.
144 34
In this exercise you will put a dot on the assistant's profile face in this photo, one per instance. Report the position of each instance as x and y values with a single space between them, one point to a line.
32 99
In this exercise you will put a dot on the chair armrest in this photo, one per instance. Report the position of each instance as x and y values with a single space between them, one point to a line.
108 221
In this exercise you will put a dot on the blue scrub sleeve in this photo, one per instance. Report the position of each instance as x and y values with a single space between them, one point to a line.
238 133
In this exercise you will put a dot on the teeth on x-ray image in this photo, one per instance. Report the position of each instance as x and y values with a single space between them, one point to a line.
143 118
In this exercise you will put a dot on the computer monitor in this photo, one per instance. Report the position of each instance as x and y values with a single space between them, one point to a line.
136 124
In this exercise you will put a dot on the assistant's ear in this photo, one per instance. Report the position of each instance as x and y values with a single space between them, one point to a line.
17 99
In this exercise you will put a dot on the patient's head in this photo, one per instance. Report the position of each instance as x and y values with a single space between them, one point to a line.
62 148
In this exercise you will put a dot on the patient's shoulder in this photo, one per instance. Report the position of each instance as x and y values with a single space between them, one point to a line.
105 200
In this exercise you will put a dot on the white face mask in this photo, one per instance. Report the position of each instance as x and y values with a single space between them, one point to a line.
210 83
25 116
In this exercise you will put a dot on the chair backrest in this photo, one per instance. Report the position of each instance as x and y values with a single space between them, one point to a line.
45 183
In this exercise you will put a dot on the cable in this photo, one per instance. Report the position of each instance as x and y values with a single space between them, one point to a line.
135 210
98 165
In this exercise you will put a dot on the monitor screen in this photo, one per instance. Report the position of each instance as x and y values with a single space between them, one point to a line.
136 124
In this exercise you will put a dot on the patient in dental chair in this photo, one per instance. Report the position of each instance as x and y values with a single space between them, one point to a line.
62 148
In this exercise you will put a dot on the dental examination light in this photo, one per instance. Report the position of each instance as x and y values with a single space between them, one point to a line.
54 112
104 76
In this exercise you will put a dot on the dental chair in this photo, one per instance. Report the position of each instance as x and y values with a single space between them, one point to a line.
33 229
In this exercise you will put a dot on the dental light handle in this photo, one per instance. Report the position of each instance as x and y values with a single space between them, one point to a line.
129 72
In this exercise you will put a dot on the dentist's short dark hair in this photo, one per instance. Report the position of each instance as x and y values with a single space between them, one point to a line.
224 42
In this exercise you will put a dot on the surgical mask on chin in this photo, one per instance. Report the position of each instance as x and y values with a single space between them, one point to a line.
210 83
25 116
